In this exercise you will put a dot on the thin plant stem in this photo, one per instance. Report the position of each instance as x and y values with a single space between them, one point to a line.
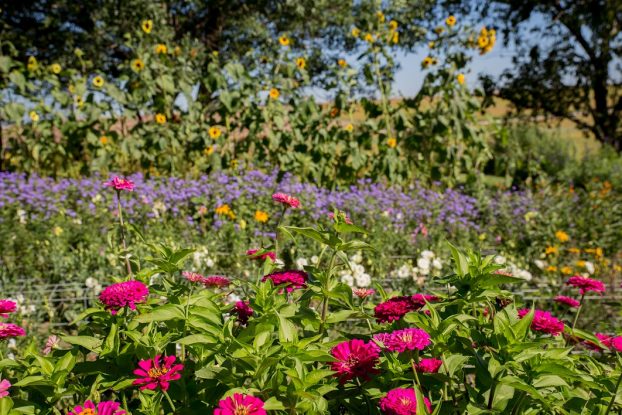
276 232
170 402
123 243
576 317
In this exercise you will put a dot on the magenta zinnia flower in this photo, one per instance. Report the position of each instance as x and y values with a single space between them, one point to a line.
402 401
544 322
570 302
355 358
266 255
4 388
406 339
420 299
153 375
6 307
585 284
123 294
120 183
243 310
239 404
10 330
103 408
294 279
429 365
363 293
286 200
394 309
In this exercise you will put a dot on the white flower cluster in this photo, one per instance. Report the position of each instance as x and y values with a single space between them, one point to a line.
22 307
302 262
94 285
427 264
356 277
201 258
512 268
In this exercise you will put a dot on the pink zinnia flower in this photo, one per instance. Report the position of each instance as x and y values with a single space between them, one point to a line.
616 344
429 365
103 408
544 322
216 281
120 184
4 388
51 344
153 375
10 330
603 338
570 302
193 277
6 307
243 310
123 294
266 255
294 279
286 200
585 284
402 401
239 404
394 309
363 293
355 358
406 339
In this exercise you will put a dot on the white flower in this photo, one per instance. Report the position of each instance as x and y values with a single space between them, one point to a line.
427 254
22 216
91 282
437 264
12 344
314 259
524 274
348 280
356 258
158 208
232 298
589 267
539 263
500 260
301 263
363 280
279 263
96 198
357 269
404 271
77 221
209 262
424 265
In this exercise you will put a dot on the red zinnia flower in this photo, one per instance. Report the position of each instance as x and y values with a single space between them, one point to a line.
543 321
239 404
394 309
570 302
6 307
402 401
10 330
286 200
363 292
269 254
420 299
103 408
153 375
120 184
355 358
123 294
406 339
429 365
243 310
585 284
294 279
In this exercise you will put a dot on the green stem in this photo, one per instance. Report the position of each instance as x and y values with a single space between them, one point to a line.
576 317
491 397
276 236
364 393
518 403
385 107
170 402
615 393
186 312
120 210
331 264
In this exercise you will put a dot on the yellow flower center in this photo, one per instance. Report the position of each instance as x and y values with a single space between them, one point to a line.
156 372
87 411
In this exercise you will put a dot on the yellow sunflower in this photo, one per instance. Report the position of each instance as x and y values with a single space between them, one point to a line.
369 37
147 26
160 118
342 63
34 117
32 64
138 65
214 132
104 140
460 78
393 25
381 17
98 81
392 142
55 68
209 151
78 101
160 49
395 38
356 32
284 41
427 61
274 93
349 128
450 21
301 63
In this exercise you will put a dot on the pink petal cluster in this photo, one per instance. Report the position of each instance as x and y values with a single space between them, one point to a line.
51 343
544 322
6 307
266 255
402 401
293 279
218 281
570 302
243 310
610 342
355 359
123 294
154 373
286 200
103 408
585 284
406 339
395 308
4 388
240 404
428 365
10 330
363 293
120 183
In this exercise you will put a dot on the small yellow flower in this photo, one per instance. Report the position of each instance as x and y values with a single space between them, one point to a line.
261 216
551 250
55 68
161 49
482 42
356 32
349 128
32 64
551 268
214 132
78 101
393 25
57 230
427 61
274 93
580 264
450 21
284 41
392 142
242 224
301 63
72 88
395 38
103 140
599 252
482 237
138 65
209 151
147 26
225 210
575 250
460 78
160 118
34 117
342 63
215 53
562 236
369 37
431 45
381 17
98 81
566 270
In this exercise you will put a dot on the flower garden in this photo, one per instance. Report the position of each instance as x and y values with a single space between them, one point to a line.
234 246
